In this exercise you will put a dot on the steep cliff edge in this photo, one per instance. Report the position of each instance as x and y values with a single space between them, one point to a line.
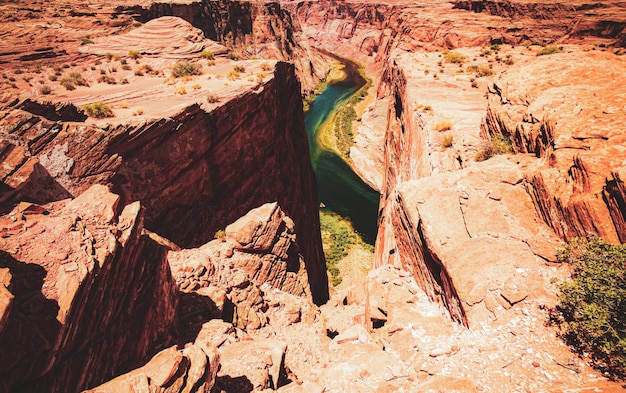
91 300
256 29
195 171
550 107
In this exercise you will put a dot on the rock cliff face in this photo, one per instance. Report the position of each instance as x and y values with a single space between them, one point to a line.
195 172
577 184
95 298
256 29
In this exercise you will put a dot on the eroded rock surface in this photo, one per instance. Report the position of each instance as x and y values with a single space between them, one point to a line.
94 297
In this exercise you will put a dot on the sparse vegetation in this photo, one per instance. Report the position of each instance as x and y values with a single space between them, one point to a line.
265 66
454 57
499 144
107 79
480 71
134 54
186 68
239 68
443 126
220 234
207 54
86 40
260 76
234 55
548 50
196 86
447 141
180 90
98 109
138 112
213 98
592 309
338 237
123 105
45 89
73 80
232 75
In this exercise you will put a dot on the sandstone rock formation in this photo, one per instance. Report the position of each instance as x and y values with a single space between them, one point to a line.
257 29
231 275
91 299
166 37
220 158
563 108
189 370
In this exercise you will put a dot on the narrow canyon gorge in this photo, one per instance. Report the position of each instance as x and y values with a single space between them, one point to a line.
303 196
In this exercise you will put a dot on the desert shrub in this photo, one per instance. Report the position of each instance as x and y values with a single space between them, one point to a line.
498 144
98 109
233 75
443 126
138 112
186 69
234 55
134 54
593 303
45 89
219 234
207 54
239 68
210 63
260 76
447 141
196 86
136 23
265 66
73 80
548 50
108 55
124 105
454 57
480 71
107 79
180 90
124 81
53 78
213 98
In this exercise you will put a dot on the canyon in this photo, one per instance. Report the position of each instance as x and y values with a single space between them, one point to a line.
175 245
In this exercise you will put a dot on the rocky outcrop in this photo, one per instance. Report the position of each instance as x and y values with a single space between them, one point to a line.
189 370
566 22
93 299
165 37
550 107
190 169
233 273
263 30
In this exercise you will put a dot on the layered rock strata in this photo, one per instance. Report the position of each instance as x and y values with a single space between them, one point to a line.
563 109
246 151
95 297
231 275
260 30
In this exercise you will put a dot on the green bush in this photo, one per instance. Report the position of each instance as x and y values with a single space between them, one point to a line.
453 57
134 54
233 55
548 50
499 144
186 68
207 54
98 110
593 304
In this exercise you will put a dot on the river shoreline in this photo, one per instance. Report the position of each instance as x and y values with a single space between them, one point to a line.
340 189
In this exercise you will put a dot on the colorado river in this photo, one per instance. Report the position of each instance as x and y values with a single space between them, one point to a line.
340 189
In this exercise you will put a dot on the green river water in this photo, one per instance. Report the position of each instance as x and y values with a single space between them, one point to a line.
339 188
